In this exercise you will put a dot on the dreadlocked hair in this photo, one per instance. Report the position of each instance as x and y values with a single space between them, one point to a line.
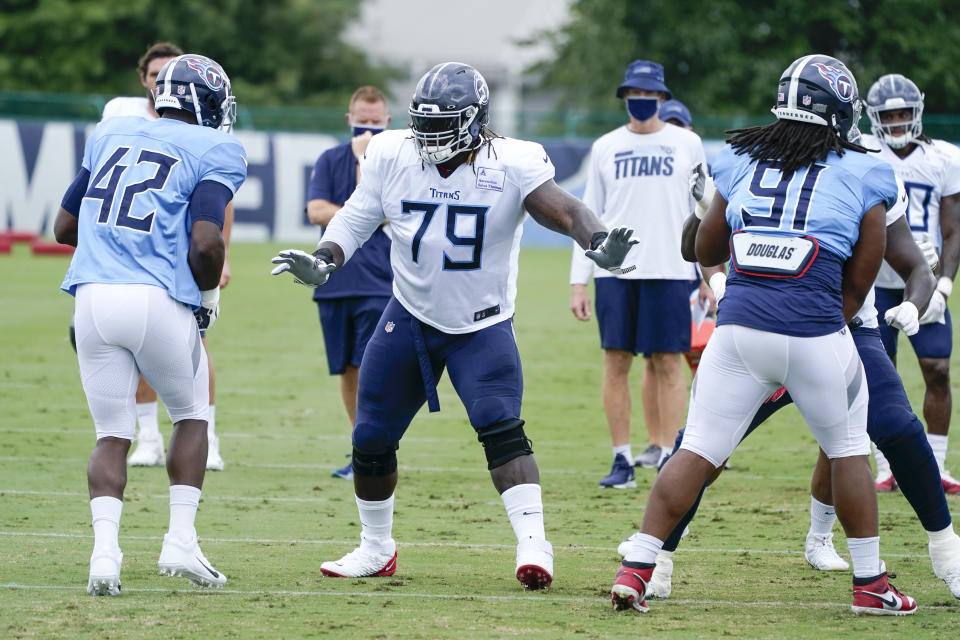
792 143
486 137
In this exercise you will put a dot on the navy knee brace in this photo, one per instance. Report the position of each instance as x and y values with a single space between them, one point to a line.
504 441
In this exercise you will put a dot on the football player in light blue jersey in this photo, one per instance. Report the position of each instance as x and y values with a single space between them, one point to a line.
800 212
145 213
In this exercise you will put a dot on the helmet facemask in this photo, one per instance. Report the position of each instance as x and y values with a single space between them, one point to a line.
890 132
441 135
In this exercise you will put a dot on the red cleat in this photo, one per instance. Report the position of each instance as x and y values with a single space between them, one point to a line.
361 563
887 483
880 598
630 588
950 484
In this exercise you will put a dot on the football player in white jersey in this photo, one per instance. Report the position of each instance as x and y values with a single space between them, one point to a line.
930 170
149 448
454 193
638 176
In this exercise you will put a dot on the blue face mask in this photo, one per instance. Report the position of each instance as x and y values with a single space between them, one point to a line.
643 108
359 131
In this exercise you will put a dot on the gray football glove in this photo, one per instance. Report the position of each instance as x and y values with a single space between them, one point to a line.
608 252
209 309
307 269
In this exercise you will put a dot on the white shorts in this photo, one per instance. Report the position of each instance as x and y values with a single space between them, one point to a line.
124 330
741 367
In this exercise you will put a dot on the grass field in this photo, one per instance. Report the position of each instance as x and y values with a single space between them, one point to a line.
275 514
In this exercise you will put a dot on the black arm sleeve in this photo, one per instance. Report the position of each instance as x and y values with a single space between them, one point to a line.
75 192
209 201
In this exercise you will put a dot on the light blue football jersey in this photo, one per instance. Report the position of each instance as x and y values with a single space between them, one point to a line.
134 222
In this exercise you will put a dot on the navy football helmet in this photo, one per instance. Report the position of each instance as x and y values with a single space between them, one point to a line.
197 84
820 90
449 109
894 91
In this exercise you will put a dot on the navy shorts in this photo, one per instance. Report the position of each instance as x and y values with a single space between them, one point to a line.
644 316
484 368
931 341
347 325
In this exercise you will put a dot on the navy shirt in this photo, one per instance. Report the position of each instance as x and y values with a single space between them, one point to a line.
368 272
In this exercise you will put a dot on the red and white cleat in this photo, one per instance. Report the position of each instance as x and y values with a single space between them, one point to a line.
630 587
886 483
362 562
534 563
950 484
880 598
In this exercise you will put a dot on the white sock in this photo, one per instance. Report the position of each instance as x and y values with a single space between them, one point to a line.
883 467
865 554
184 501
664 555
944 535
524 506
645 549
822 517
625 450
106 513
212 422
148 429
376 522
939 446
664 453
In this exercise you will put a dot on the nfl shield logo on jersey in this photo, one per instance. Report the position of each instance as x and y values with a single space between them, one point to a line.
389 326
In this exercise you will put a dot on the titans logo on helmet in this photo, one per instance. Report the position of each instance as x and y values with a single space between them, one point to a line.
210 74
839 81
481 87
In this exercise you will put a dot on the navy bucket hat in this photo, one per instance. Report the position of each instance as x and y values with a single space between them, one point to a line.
643 74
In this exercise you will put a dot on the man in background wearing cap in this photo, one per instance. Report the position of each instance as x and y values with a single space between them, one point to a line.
637 176
676 113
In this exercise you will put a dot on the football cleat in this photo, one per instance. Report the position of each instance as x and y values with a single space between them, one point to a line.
182 557
345 472
950 484
630 588
880 598
214 460
945 558
650 458
621 475
363 562
886 483
149 452
534 563
822 555
660 583
105 573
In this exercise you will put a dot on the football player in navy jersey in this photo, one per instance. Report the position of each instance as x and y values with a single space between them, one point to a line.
455 195
145 213
350 306
800 212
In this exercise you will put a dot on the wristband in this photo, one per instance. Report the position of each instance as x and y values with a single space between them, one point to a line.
701 209
210 297
945 286
718 284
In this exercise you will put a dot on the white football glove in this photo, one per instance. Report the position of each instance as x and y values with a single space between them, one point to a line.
718 283
307 269
209 309
701 188
936 310
929 253
904 316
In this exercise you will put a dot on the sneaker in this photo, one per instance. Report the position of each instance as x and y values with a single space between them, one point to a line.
950 484
650 457
345 472
105 573
149 452
534 563
886 483
945 558
660 582
621 475
630 588
363 562
821 554
214 460
880 598
182 557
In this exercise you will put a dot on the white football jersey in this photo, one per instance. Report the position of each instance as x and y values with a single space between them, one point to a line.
640 180
930 172
124 106
455 239
868 312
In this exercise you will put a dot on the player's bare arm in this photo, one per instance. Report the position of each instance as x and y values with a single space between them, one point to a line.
905 257
65 228
712 241
321 212
860 271
950 229
206 254
557 210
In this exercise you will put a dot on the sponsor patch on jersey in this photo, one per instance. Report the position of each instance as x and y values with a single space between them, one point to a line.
490 179
765 254
486 313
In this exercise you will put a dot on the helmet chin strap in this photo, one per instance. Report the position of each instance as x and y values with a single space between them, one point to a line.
196 104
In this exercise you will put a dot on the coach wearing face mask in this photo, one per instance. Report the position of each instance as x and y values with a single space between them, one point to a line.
638 176
350 304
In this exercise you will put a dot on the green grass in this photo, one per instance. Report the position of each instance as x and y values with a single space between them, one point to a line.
275 514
